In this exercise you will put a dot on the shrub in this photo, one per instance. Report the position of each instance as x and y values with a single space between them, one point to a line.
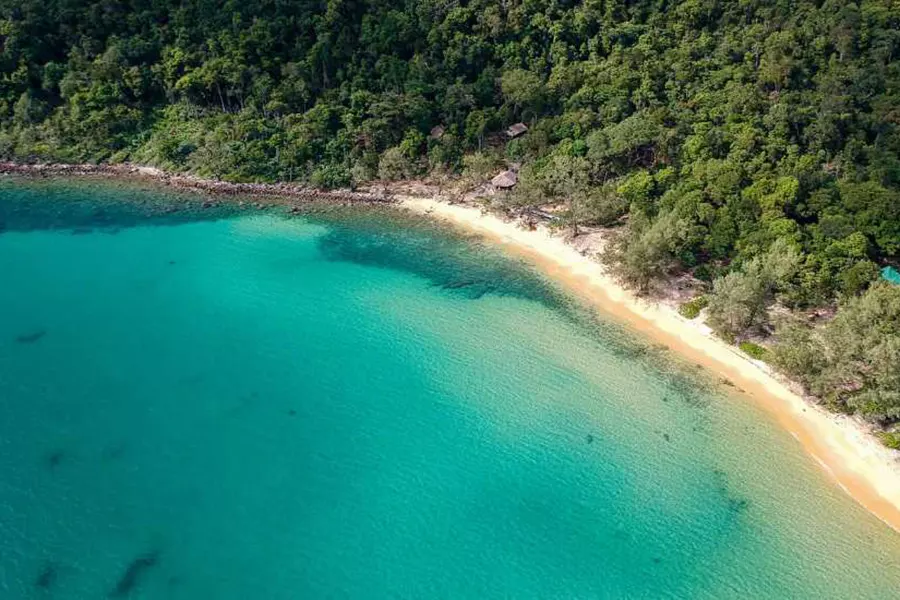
891 439
704 272
691 309
393 164
328 176
754 350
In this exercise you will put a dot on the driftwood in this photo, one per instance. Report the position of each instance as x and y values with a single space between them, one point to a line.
539 214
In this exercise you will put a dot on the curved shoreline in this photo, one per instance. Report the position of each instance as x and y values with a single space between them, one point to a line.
843 446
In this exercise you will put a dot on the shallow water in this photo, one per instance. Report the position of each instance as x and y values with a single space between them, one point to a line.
360 404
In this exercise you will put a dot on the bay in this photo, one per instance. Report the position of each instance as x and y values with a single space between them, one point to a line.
357 403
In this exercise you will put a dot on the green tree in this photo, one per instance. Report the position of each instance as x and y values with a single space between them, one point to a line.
568 179
648 250
393 164
524 91
739 299
851 361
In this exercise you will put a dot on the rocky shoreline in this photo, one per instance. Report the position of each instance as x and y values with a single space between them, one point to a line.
262 193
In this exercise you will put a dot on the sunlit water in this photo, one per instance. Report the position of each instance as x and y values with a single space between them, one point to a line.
358 404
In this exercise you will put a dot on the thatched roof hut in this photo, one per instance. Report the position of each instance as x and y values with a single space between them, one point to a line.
516 130
505 180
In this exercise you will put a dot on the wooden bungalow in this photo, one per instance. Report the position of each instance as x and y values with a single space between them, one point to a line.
514 131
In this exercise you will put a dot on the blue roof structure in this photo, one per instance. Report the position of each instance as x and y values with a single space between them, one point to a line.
891 274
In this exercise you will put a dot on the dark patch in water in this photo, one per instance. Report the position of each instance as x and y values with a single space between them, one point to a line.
292 413
690 389
46 579
30 338
83 207
667 437
459 264
114 451
631 350
171 262
456 285
132 575
589 439
656 560
54 459
736 504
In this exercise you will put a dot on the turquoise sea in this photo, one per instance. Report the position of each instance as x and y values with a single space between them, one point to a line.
354 403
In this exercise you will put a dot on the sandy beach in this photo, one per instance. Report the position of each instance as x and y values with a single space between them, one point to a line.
843 446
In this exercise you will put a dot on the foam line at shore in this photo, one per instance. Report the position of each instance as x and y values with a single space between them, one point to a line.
843 446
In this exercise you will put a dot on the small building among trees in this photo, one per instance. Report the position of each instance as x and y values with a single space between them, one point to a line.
516 130
505 180
891 275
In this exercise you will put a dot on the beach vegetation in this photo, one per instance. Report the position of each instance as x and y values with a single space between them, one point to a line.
692 308
891 439
850 361
739 299
754 350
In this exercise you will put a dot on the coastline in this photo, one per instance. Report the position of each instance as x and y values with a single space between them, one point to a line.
843 446
266 193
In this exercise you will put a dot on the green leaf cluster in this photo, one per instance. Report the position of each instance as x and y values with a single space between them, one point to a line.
691 309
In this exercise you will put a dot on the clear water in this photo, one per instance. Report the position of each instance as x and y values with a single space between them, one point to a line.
357 404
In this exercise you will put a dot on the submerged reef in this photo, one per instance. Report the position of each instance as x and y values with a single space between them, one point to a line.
88 198
461 265
133 574
55 458
46 579
30 338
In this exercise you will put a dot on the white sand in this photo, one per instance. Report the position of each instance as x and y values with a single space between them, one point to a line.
843 446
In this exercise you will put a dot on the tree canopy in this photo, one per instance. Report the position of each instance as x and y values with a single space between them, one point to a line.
853 360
